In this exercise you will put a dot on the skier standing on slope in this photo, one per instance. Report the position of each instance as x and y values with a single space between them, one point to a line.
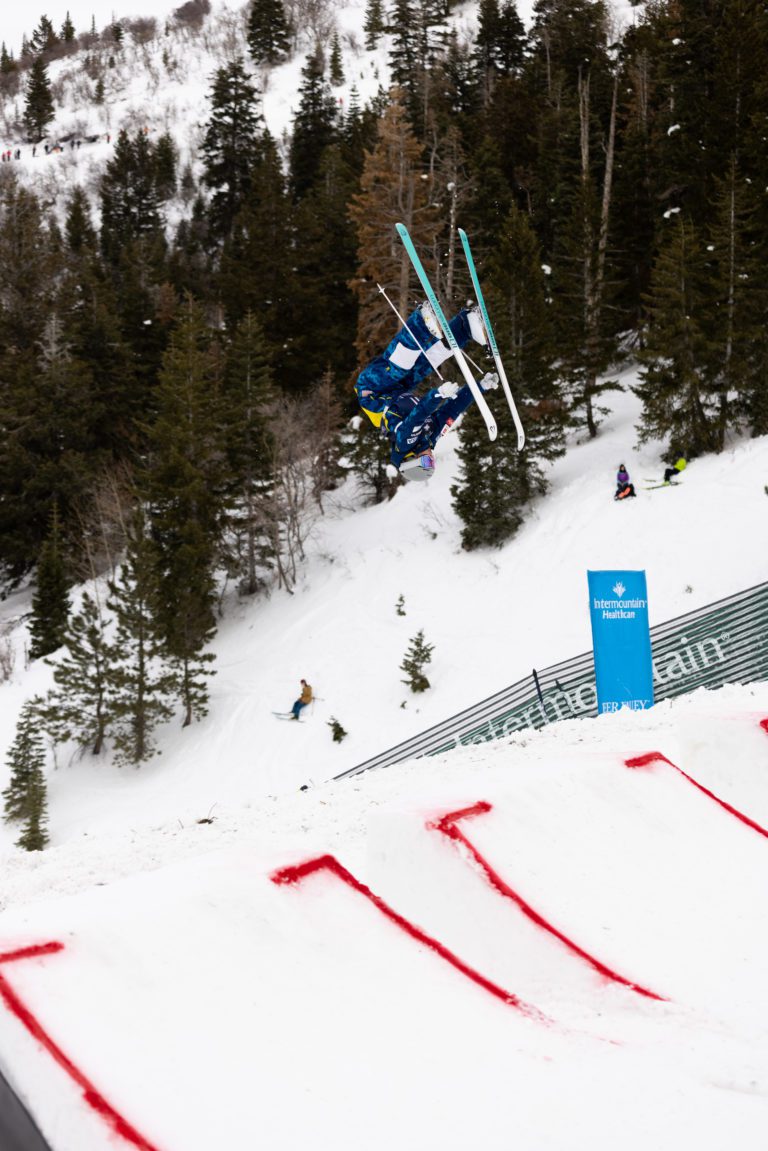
386 388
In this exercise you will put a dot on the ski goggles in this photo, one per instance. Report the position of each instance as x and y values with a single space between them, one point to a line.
419 468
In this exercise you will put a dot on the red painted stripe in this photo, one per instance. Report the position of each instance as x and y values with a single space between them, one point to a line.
92 1096
656 757
447 826
33 952
330 863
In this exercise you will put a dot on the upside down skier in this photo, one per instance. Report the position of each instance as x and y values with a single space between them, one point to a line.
386 388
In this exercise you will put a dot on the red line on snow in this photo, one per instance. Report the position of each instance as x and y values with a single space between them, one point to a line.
652 757
92 1096
446 824
295 874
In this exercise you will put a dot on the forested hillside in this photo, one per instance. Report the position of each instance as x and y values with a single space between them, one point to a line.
179 329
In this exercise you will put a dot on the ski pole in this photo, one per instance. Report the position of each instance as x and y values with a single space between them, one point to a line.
405 325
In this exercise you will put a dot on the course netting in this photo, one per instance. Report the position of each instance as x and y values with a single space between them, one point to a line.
724 642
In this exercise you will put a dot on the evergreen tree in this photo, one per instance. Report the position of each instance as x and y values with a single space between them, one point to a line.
677 403
185 485
38 106
44 36
248 396
50 599
25 762
337 730
130 202
268 34
391 190
34 836
418 42
499 44
324 264
81 708
496 480
418 655
335 67
374 25
166 158
231 144
141 683
314 126
256 267
8 65
367 452
67 30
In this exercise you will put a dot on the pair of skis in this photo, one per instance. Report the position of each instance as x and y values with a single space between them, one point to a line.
450 339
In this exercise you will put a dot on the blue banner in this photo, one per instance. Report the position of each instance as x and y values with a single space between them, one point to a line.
621 638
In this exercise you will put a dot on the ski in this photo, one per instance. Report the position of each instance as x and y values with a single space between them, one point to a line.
492 339
450 339
668 484
284 715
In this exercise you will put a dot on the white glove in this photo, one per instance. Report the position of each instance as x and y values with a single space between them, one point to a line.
489 381
449 390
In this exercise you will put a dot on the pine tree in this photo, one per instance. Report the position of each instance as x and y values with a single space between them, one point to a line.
231 144
44 36
141 682
677 403
496 480
130 202
374 25
248 396
67 30
34 837
268 33
335 66
50 599
25 760
185 485
81 708
166 158
391 190
38 107
8 65
337 730
324 264
418 655
314 126
256 267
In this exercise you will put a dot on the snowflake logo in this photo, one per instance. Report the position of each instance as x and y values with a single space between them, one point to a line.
619 588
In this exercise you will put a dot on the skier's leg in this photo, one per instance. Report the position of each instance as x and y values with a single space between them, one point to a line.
401 366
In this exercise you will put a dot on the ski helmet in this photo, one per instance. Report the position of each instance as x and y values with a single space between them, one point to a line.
418 467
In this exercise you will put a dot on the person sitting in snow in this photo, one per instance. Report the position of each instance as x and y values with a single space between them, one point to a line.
386 388
303 700
624 488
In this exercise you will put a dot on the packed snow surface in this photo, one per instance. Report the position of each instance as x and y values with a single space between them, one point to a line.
212 1007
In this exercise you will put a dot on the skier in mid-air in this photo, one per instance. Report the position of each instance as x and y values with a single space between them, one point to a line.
386 388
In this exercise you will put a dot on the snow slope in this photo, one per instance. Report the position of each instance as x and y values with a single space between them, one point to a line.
203 1005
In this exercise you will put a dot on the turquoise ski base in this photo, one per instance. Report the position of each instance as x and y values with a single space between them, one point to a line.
492 339
450 339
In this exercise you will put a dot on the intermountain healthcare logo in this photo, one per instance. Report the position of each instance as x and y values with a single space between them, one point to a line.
621 640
